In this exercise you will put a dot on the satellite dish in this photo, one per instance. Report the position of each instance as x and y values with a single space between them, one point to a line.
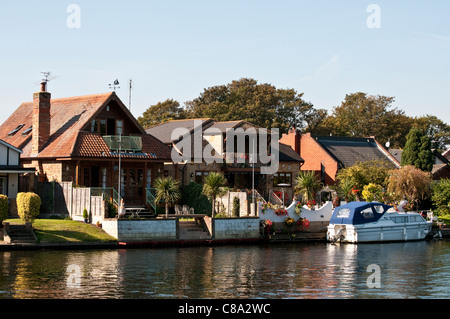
388 144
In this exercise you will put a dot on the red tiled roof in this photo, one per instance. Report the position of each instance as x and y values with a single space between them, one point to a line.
92 145
68 117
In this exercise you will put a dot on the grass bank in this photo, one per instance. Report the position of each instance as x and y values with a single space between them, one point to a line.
67 231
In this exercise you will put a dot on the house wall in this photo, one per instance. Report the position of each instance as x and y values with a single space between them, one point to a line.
314 155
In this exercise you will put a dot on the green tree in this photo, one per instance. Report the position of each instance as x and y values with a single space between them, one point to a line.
372 192
167 190
307 184
364 115
162 112
417 150
362 174
214 186
261 104
437 130
441 196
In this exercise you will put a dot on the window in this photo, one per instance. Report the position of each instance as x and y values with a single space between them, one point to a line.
28 130
343 213
103 127
94 126
119 127
367 213
282 178
379 209
199 176
17 129
104 178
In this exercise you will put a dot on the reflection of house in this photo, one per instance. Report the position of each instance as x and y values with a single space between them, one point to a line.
238 173
75 140
327 154
441 165
10 170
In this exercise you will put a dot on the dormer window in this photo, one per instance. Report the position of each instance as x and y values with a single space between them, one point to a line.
17 129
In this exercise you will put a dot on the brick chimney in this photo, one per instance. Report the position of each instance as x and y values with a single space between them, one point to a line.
41 119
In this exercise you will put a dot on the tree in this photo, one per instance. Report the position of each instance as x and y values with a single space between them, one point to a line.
307 183
362 174
417 150
372 192
441 196
167 190
260 104
162 112
436 129
364 115
214 186
409 183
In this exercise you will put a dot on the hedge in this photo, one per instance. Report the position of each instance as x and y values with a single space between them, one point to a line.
28 206
4 208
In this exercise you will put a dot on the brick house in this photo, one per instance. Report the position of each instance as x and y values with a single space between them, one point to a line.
326 155
76 140
239 176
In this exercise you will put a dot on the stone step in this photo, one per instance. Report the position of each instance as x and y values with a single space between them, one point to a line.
191 230
19 234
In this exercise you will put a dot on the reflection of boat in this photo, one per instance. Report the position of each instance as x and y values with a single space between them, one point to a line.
372 222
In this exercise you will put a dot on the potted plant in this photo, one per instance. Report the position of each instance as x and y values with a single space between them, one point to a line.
86 215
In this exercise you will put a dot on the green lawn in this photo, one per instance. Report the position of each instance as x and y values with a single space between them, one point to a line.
66 231
445 219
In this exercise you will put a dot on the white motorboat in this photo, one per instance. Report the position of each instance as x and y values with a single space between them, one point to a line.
358 222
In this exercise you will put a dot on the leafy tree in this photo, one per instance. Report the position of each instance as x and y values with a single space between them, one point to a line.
372 192
417 150
167 190
362 174
364 115
436 129
214 186
260 104
441 196
307 183
193 197
4 208
162 112
409 183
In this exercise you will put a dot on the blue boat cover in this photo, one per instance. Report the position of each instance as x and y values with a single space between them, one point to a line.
355 213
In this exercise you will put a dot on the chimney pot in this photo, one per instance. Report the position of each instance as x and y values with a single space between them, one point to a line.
43 86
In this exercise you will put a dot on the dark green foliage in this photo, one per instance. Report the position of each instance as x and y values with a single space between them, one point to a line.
193 197
4 207
417 151
236 207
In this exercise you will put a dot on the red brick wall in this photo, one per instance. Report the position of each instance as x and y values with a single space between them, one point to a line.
313 154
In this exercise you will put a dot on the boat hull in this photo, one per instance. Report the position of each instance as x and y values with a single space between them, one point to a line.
378 233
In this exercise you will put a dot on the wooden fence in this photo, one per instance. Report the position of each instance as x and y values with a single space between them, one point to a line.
64 199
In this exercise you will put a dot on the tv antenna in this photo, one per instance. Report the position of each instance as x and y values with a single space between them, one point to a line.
129 97
115 85
47 78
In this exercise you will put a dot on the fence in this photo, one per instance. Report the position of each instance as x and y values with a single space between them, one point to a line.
64 199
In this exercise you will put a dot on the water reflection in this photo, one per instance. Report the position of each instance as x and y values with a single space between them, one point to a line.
407 270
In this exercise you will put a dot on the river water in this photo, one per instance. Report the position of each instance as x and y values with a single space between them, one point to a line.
280 271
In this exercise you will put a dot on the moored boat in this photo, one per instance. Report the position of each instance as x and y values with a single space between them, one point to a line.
358 222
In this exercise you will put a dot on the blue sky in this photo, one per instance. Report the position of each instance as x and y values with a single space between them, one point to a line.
175 49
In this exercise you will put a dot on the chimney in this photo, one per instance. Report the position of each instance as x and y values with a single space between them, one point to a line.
41 119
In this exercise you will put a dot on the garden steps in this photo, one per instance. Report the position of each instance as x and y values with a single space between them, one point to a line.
19 234
190 230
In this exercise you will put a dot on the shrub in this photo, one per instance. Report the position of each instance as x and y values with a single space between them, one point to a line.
441 197
4 207
28 206
193 197
236 207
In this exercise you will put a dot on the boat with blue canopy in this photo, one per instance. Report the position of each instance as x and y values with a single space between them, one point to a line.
357 222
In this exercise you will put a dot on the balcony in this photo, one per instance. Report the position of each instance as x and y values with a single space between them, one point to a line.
127 144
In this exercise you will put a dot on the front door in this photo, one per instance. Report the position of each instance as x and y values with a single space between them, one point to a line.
132 185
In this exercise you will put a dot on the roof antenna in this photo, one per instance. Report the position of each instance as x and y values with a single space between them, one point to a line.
129 97
43 82
115 85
